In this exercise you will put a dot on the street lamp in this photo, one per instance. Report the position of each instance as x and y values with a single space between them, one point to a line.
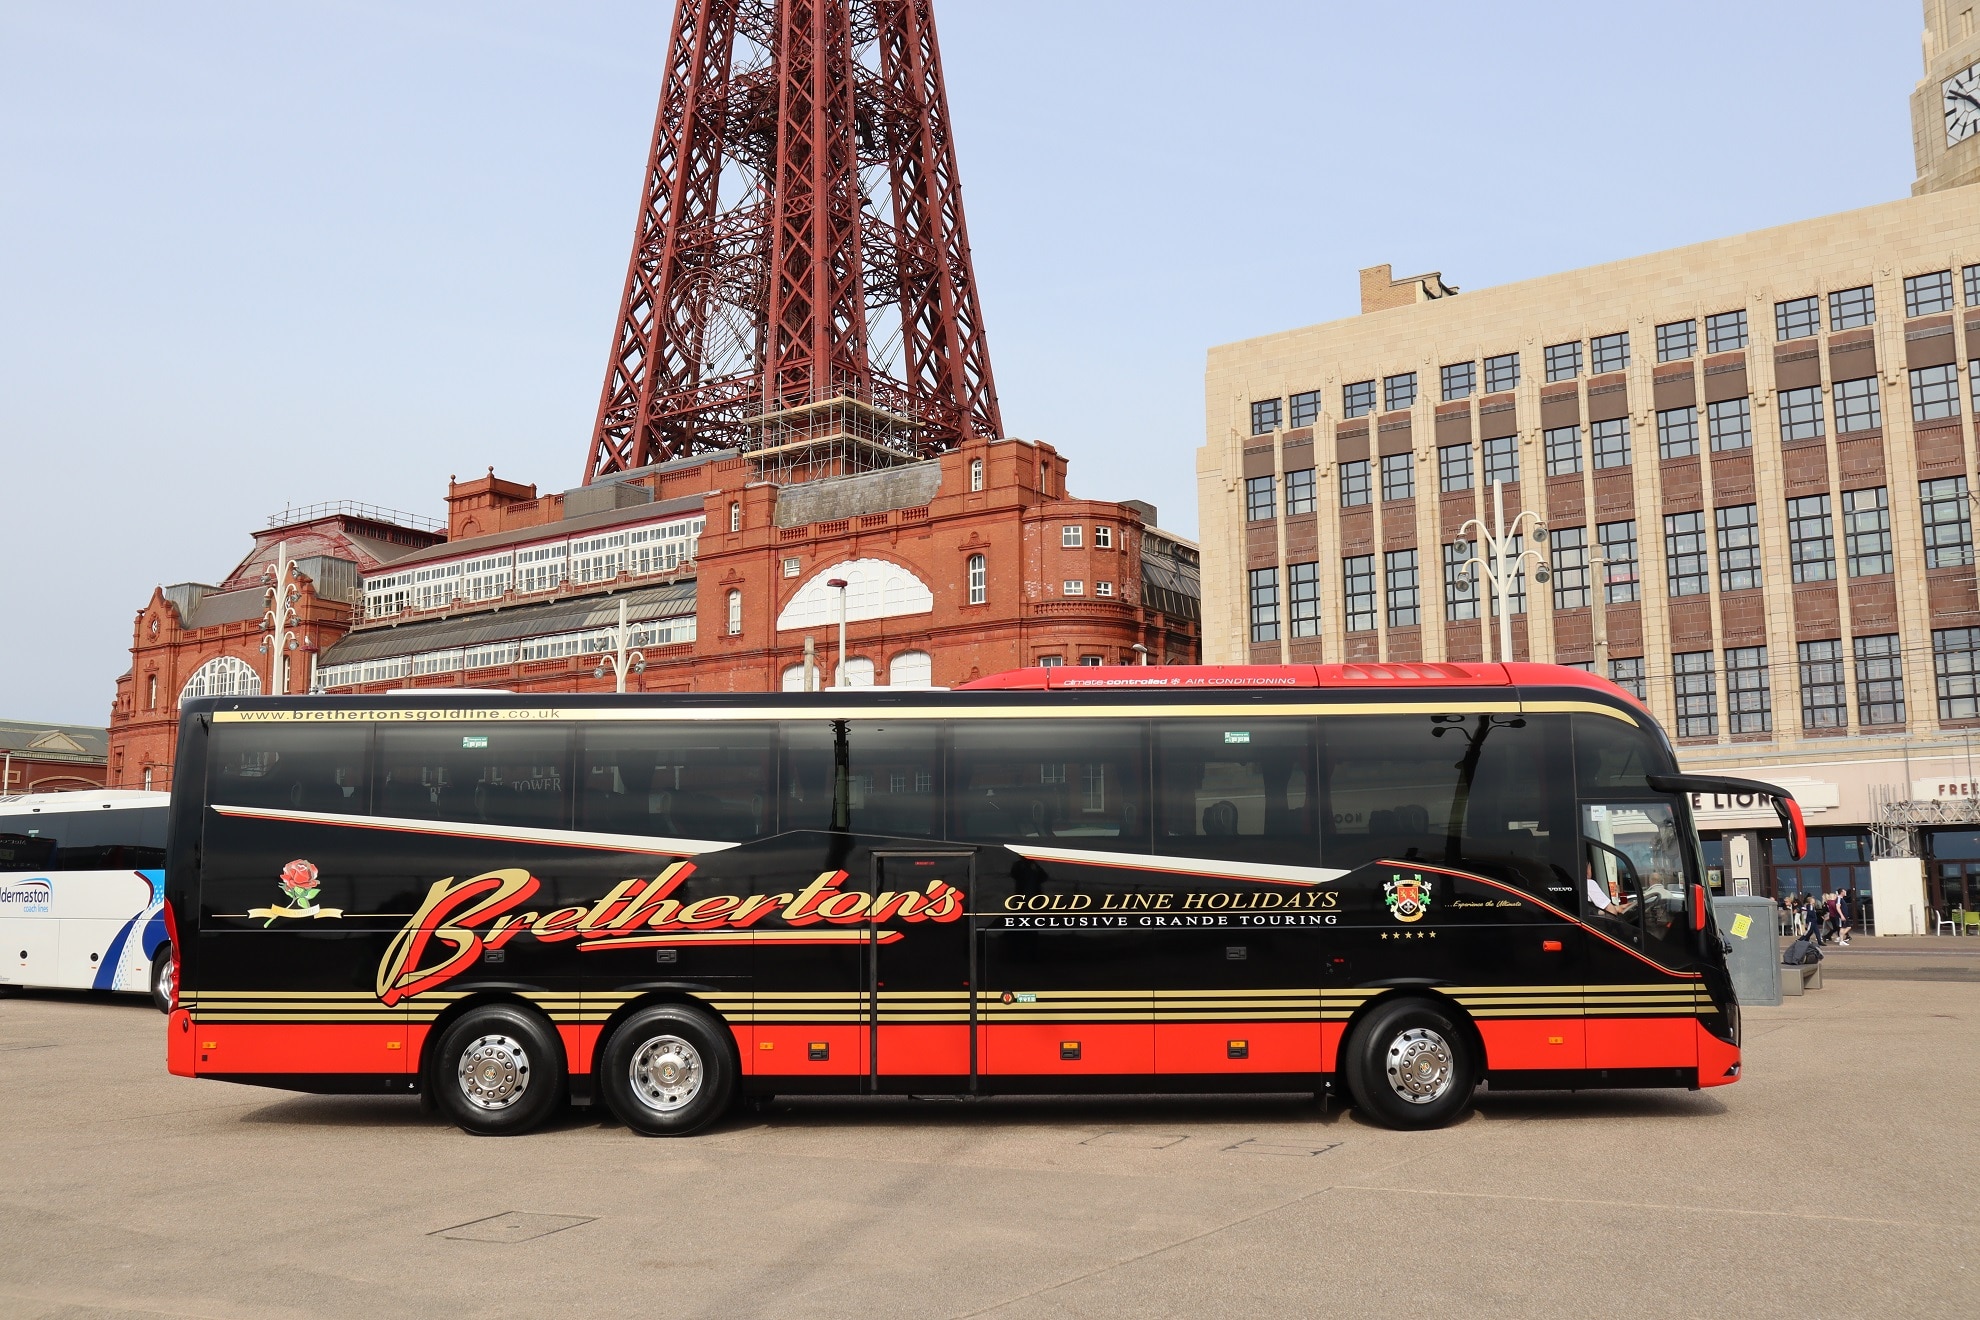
280 622
839 585
1495 567
619 657
1140 653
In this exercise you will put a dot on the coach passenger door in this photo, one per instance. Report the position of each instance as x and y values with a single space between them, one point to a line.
921 1004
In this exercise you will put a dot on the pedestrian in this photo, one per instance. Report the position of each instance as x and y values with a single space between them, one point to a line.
1842 917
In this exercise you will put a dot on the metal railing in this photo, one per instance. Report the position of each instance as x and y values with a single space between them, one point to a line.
290 515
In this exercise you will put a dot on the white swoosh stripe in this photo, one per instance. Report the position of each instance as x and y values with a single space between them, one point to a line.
1269 872
639 843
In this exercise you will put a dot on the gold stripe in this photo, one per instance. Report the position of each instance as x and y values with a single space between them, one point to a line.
1045 707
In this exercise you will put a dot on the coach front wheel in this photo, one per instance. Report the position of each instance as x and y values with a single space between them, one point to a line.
1410 1065
498 1071
161 978
668 1071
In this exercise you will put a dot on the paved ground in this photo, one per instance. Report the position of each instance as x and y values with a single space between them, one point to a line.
1837 1179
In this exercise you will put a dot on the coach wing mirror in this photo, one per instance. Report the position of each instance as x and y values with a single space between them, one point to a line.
1782 801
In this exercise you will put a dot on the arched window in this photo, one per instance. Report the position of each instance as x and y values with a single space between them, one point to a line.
979 580
222 676
911 669
735 613
859 672
151 690
794 678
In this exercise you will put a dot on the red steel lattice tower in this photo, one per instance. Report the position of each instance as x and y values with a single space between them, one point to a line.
800 243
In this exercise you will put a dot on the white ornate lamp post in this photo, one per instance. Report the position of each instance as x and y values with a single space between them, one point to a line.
1496 565
839 585
618 658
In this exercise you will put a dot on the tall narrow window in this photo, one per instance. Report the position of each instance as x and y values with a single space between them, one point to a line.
1948 529
976 474
1677 341
1568 547
1955 652
1454 467
1610 441
1867 531
1857 407
1801 414
1502 460
1299 493
1354 483
1358 399
979 580
1677 432
1739 547
1608 353
151 693
735 516
1398 476
1696 689
1824 705
1879 681
1684 554
1264 604
1305 409
1725 332
1404 588
1303 593
1563 446
735 613
1627 674
1811 539
1398 392
1265 417
1730 422
1460 381
1460 592
1618 540
1358 592
1934 393
1502 373
1850 308
1260 502
1749 693
1971 276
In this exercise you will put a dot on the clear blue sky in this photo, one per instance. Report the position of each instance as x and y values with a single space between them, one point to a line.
253 253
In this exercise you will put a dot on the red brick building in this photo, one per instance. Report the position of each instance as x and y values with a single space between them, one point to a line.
958 566
50 758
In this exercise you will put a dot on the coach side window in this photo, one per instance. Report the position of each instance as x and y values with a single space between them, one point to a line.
893 776
294 768
683 780
1060 783
1236 789
490 774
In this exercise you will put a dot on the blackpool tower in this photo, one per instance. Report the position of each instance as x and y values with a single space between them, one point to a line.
800 285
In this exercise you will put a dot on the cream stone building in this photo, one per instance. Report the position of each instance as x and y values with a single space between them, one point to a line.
1753 461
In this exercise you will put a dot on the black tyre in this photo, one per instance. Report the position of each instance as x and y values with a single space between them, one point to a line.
498 1071
161 977
1409 1064
668 1071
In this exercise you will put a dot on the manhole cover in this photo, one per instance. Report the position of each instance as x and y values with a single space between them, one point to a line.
1253 1146
1136 1140
511 1226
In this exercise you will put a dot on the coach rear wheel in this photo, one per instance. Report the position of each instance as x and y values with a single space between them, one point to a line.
161 978
1409 1065
499 1071
668 1071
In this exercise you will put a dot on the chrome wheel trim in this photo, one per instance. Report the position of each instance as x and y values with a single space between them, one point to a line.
665 1074
494 1072
166 970
1421 1066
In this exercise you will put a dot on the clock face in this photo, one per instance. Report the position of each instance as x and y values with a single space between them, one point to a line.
1961 95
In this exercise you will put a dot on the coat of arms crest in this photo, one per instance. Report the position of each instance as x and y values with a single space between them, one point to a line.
1408 896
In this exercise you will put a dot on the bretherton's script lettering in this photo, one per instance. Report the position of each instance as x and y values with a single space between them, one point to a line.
460 918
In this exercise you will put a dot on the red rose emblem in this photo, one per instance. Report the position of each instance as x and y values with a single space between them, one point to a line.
299 880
